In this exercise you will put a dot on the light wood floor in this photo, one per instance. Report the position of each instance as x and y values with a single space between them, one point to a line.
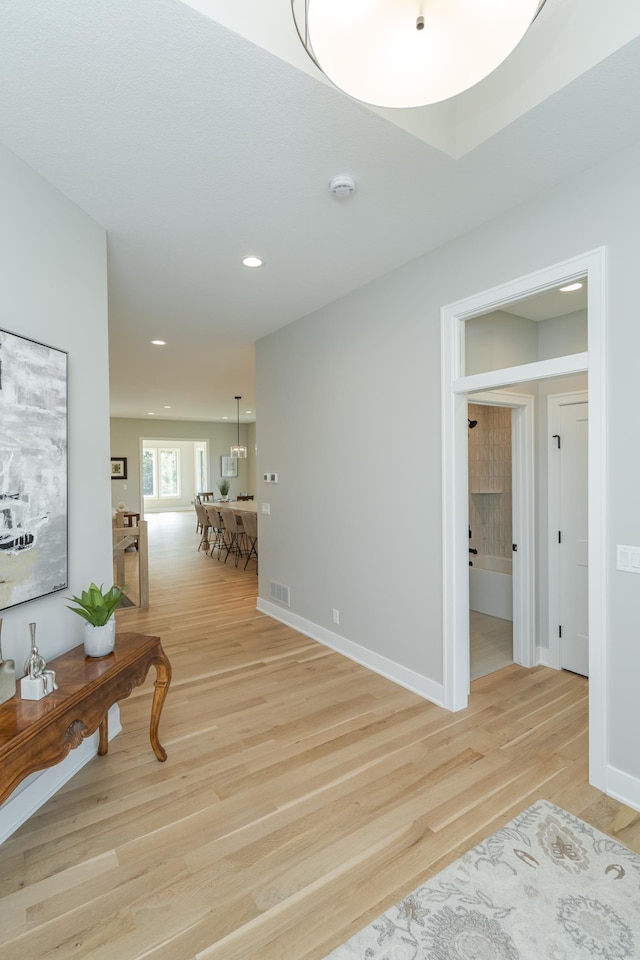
301 797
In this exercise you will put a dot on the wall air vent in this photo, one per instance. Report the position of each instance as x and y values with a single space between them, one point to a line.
280 593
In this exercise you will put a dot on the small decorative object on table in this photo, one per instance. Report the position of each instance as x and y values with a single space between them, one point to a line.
7 675
98 608
37 682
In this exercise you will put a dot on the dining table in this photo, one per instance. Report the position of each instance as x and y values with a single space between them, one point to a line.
238 506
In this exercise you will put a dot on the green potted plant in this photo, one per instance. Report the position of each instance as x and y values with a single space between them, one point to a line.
97 607
224 487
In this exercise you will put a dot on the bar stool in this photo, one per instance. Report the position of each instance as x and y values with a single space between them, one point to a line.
204 524
250 522
235 533
217 528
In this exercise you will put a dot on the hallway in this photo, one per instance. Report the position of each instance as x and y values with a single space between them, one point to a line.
301 796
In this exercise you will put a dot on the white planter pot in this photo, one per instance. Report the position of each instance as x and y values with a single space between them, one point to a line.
100 641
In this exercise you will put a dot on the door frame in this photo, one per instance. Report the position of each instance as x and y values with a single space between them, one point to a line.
455 388
523 520
554 402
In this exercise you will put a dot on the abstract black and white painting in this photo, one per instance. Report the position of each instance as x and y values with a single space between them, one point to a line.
33 470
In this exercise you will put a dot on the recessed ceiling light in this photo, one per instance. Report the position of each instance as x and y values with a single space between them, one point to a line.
571 287
151 413
159 343
167 407
247 411
225 418
252 261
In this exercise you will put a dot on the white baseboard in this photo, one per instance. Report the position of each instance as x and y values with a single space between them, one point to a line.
409 679
35 790
544 658
622 786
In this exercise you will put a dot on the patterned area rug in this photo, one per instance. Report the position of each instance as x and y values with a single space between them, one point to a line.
545 887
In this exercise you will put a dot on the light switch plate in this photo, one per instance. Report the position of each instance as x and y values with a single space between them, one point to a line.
628 559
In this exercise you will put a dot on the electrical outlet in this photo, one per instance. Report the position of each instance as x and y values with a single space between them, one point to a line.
336 616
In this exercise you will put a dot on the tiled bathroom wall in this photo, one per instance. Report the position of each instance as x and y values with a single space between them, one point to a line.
490 480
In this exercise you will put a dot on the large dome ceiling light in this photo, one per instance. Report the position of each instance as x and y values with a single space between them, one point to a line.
409 53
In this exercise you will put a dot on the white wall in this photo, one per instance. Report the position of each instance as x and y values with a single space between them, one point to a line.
562 336
349 418
499 339
54 289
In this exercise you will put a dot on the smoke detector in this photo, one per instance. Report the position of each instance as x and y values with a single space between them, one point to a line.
342 185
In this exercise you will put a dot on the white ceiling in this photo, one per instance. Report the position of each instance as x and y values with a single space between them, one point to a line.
195 146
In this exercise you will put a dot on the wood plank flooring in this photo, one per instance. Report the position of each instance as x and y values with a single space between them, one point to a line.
302 794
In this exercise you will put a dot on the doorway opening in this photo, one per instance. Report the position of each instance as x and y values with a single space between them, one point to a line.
511 577
457 384
490 539
172 471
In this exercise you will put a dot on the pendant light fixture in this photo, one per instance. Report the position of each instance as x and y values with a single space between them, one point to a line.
409 53
237 450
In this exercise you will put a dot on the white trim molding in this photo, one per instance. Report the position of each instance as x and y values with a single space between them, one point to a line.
623 787
455 389
416 682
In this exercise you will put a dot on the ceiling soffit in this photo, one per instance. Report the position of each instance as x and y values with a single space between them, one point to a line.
567 39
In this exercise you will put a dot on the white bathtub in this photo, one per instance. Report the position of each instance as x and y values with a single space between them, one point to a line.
490 586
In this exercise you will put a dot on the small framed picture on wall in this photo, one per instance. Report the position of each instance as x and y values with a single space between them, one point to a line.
118 468
228 466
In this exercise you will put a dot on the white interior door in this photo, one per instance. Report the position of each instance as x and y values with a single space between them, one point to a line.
573 538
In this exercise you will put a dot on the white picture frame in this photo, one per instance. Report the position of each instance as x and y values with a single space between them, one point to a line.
228 466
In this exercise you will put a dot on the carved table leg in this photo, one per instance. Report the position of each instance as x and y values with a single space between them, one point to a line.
103 743
161 684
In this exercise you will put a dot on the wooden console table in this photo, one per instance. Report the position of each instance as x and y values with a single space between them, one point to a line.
35 734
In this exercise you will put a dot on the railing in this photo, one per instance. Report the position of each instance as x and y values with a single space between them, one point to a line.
123 537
